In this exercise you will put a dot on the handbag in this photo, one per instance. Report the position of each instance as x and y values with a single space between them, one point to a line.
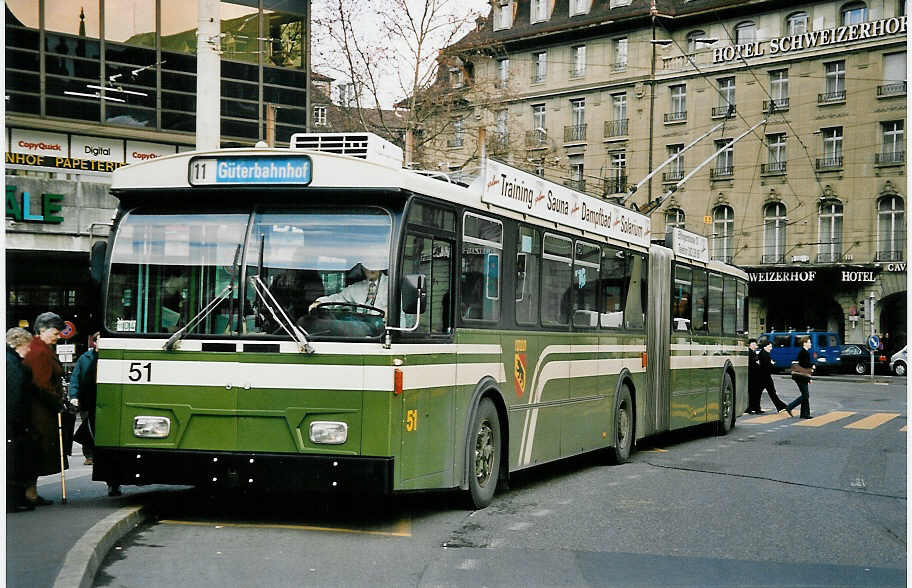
801 371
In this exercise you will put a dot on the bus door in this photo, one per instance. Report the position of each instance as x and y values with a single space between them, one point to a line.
429 367
703 345
688 397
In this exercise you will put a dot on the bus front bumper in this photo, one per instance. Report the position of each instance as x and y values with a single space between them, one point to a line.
225 469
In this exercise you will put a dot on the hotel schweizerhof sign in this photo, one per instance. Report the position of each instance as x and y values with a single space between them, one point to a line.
812 39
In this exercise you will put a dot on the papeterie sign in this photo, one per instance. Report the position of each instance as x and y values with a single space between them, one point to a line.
812 39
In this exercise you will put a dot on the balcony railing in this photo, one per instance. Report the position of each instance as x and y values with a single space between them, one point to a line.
829 257
619 66
538 77
574 133
831 97
454 142
718 173
536 139
577 72
615 128
825 163
888 256
578 185
890 157
676 116
615 184
773 168
772 258
727 111
891 89
675 175
776 105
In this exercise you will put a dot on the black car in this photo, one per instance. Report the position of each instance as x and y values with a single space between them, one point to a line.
857 359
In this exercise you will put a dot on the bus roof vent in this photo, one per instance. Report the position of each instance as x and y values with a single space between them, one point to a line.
366 146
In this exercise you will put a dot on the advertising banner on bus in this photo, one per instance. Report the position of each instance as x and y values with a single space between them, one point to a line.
516 190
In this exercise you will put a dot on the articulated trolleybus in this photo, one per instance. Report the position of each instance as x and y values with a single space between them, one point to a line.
318 318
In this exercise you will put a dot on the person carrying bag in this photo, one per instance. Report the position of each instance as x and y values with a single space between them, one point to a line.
802 370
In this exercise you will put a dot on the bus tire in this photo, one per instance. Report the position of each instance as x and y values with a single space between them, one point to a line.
726 407
485 446
623 427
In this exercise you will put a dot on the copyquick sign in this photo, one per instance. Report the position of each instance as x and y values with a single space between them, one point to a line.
523 192
250 170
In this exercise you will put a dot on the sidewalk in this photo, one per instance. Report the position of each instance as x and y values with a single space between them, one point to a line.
63 545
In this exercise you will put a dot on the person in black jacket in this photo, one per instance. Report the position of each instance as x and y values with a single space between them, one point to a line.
18 420
804 360
766 376
753 379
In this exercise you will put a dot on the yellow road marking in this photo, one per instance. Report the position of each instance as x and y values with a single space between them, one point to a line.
905 428
766 419
873 421
819 421
656 450
402 528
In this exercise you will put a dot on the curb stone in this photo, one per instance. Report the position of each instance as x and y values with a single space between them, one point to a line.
84 559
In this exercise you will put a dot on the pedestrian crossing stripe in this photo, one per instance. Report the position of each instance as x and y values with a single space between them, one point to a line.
873 421
867 423
826 419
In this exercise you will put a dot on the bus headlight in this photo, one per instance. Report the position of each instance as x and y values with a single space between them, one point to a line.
328 432
151 427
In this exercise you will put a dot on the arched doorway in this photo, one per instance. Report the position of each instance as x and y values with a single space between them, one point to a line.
893 320
804 308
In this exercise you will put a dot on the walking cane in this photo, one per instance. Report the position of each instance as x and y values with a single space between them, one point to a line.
62 470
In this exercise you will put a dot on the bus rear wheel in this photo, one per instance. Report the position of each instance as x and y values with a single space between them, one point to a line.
726 407
484 454
623 428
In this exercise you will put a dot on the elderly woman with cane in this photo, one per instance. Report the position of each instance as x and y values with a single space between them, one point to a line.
47 398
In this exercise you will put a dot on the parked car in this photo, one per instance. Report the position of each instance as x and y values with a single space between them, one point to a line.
856 358
898 362
825 348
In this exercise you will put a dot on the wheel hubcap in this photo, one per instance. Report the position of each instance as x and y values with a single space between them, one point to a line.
623 425
484 453
727 403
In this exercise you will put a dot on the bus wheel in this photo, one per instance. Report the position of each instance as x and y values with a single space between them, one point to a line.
623 428
726 407
484 454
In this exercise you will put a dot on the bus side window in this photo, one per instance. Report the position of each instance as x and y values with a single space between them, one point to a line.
714 312
637 291
730 312
741 327
584 289
698 303
613 285
416 259
681 297
479 283
439 285
557 263
528 264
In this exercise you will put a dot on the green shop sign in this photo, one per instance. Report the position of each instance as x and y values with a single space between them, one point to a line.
19 207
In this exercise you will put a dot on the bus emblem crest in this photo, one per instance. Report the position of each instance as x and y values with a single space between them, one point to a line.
519 367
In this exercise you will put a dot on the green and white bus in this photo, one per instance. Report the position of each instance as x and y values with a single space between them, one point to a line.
318 318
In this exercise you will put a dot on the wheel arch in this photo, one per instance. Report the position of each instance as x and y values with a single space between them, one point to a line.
487 387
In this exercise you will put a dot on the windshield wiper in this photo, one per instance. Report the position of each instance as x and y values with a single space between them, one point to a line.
297 333
198 318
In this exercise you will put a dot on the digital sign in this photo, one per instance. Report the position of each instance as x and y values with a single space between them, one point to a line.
207 171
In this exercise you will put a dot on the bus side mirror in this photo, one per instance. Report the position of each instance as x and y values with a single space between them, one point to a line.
413 290
97 261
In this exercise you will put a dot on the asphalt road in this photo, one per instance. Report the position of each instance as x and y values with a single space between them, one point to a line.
777 502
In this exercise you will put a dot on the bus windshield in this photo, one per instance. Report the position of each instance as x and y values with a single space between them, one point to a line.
323 269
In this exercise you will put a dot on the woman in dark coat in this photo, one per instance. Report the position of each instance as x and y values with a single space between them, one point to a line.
765 380
47 397
18 420
804 360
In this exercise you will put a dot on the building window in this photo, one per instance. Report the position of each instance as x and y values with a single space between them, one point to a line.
620 54
500 139
779 91
726 91
745 32
456 139
723 229
456 77
319 116
579 61
503 16
892 142
579 7
854 13
891 229
724 160
692 40
678 96
674 219
775 154
774 227
832 148
675 169
503 72
616 181
577 177
617 126
829 232
796 23
834 89
538 135
539 10
894 75
577 129
539 66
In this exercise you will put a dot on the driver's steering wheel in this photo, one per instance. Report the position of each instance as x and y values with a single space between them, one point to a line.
323 306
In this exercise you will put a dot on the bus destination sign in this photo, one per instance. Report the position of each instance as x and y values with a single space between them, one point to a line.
208 171
523 192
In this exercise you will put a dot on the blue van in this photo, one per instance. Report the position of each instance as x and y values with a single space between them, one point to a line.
825 348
